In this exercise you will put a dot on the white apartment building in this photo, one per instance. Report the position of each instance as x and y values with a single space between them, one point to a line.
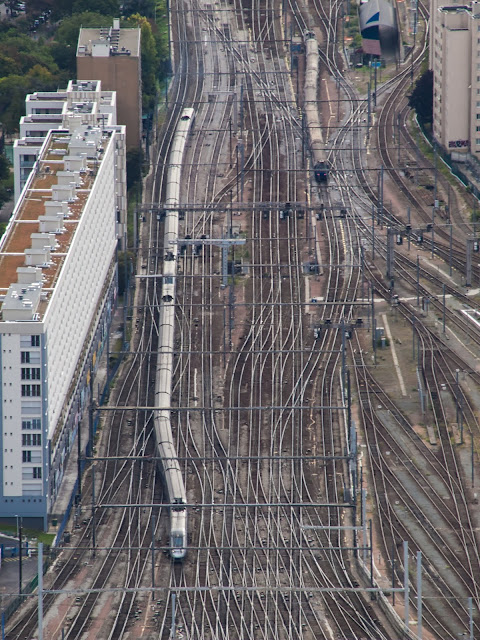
82 103
455 61
57 289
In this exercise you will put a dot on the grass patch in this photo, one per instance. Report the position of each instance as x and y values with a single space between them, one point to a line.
41 536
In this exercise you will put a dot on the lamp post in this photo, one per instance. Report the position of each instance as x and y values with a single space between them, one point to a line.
19 535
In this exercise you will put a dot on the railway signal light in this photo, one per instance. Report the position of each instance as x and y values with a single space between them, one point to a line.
286 212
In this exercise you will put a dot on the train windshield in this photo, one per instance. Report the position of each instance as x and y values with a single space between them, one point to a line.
177 541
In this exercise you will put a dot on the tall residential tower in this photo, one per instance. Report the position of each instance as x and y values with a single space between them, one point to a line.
57 290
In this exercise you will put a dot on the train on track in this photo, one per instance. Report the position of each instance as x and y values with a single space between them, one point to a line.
321 167
172 473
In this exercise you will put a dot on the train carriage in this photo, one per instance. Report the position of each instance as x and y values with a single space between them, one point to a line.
320 161
172 473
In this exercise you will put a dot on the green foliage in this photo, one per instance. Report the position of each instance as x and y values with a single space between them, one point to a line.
105 7
64 8
12 101
26 65
161 33
64 56
421 98
125 268
4 168
67 32
6 182
149 60
143 7
134 167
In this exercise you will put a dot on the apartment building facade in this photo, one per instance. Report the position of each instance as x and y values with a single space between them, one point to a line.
81 103
455 62
57 292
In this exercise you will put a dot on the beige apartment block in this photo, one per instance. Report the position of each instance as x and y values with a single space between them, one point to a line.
113 55
455 62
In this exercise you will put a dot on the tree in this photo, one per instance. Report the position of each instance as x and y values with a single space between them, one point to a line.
4 167
12 101
8 65
134 162
64 56
25 52
142 7
421 98
41 79
36 7
105 7
67 32
6 181
149 60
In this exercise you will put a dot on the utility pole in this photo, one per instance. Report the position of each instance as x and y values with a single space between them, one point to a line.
19 534
390 253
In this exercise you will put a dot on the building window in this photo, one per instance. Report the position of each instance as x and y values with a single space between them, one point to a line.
35 423
36 439
477 140
26 440
26 456
31 390
37 472
25 357
35 341
30 374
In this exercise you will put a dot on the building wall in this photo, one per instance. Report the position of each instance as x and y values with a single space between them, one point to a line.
23 435
455 96
70 311
475 86
41 413
455 61
123 75
24 158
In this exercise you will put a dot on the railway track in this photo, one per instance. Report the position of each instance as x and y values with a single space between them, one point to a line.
259 571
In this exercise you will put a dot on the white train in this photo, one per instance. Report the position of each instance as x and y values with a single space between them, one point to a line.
163 380
320 162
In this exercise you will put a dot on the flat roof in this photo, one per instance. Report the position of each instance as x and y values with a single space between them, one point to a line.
31 206
117 39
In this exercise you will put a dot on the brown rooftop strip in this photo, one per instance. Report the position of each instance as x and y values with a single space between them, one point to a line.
31 208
